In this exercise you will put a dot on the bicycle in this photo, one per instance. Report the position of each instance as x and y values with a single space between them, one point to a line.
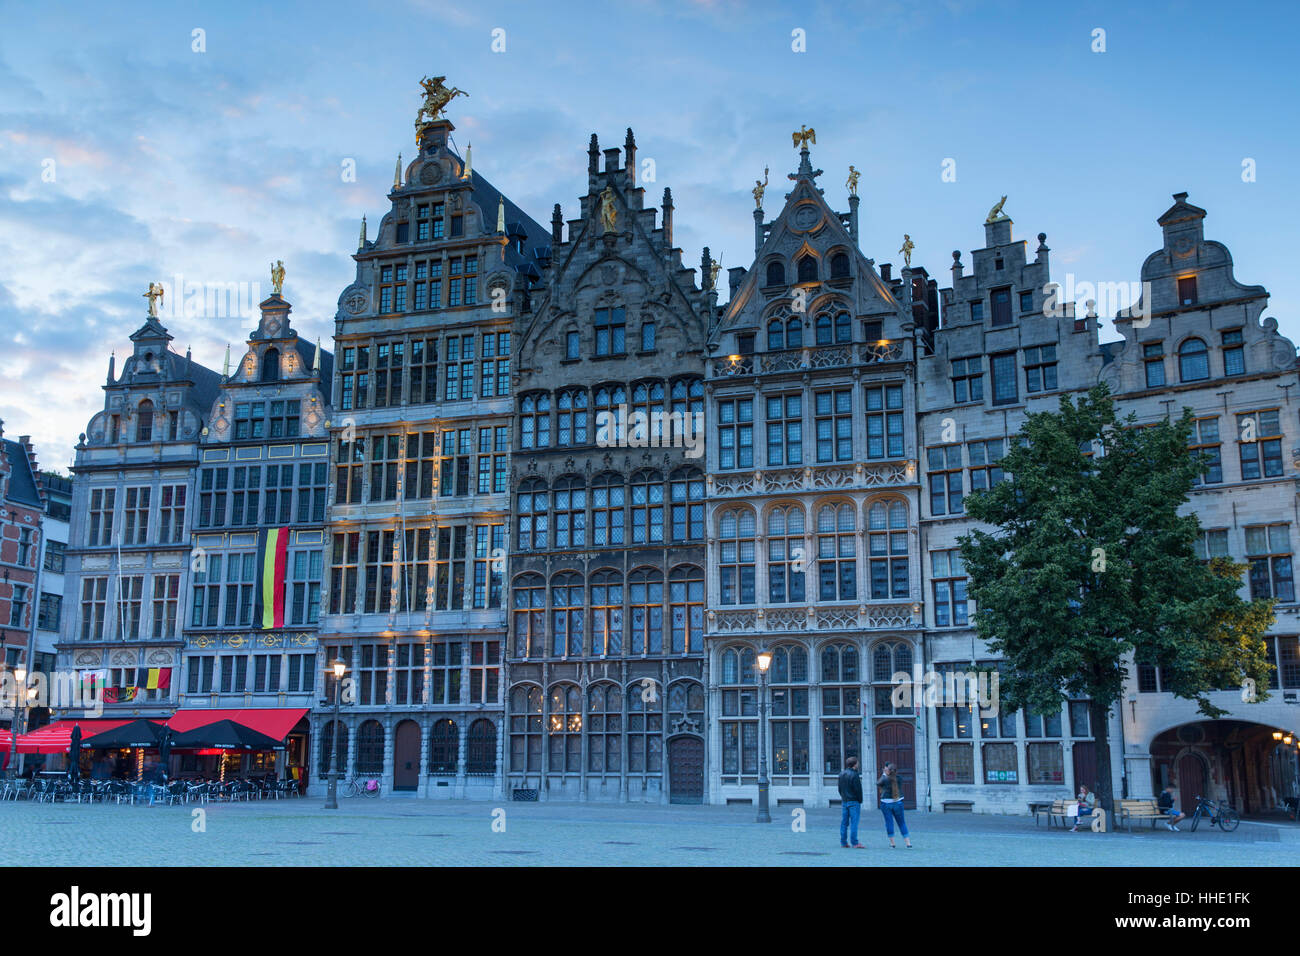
1220 815
363 787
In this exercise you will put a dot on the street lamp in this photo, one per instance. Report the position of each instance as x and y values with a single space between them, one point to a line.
1277 735
764 662
332 798
20 715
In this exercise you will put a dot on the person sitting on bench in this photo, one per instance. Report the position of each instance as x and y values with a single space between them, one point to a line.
1088 808
1166 804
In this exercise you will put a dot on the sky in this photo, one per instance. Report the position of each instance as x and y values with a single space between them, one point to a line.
135 149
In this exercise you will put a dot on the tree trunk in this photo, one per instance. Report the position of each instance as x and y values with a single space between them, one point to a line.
1097 713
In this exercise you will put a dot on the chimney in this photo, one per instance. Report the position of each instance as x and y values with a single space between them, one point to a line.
593 156
886 270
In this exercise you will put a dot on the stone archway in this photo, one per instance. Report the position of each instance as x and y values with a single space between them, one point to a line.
1233 760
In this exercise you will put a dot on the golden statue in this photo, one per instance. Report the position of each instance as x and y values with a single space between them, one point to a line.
436 97
715 266
154 295
759 187
852 183
277 276
996 212
608 211
908 246
804 137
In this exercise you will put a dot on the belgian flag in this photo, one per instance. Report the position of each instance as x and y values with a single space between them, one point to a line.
272 566
153 678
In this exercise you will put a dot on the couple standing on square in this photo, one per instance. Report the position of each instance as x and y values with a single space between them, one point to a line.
890 789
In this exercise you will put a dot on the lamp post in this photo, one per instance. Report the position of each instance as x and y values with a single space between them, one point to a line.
332 797
764 661
20 716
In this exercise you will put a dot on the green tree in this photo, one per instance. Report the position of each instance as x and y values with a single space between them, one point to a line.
1089 561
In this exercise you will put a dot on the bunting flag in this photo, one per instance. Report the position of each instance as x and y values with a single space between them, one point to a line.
272 565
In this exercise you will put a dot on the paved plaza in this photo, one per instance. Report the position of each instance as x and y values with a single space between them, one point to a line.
411 832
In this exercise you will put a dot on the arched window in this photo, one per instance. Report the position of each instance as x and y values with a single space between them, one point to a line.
526 728
686 491
535 421
785 555
571 418
736 557
776 273
685 699
570 512
887 659
534 519
530 615
794 333
565 729
608 398
271 365
604 728
775 335
840 266
606 613
647 507
370 748
739 714
607 517
837 553
1193 361
567 606
144 421
444 745
481 748
825 330
887 534
841 698
645 731
648 399
843 328
645 589
333 735
807 269
686 608
790 711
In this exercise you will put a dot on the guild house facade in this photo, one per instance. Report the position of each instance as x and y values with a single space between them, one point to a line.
570 496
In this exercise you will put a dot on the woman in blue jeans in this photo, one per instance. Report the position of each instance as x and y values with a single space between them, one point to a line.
891 804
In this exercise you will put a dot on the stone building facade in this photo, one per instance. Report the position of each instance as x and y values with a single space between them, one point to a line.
127 567
263 466
606 649
22 506
813 550
419 501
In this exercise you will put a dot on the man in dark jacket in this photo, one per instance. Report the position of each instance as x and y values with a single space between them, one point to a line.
850 782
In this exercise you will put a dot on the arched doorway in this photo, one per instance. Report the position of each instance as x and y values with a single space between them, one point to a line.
895 743
1232 760
686 770
406 756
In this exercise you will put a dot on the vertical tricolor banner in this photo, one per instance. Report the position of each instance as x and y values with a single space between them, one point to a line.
272 565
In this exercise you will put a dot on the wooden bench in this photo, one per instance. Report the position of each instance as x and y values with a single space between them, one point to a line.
1056 813
958 806
1040 808
1131 810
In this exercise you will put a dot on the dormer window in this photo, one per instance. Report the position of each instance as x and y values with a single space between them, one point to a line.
775 273
271 366
807 269
1187 290
611 327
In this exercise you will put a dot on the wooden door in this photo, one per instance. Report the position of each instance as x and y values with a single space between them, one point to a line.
1191 781
686 770
406 756
1085 765
895 744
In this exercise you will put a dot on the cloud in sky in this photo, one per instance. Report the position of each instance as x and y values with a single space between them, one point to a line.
211 164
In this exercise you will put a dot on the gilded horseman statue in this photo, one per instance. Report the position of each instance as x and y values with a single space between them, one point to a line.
436 97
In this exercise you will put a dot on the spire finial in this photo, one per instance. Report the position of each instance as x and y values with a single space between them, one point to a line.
226 372
315 362
501 215
469 162
361 243
397 173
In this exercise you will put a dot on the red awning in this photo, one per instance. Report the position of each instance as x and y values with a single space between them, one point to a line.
57 737
273 721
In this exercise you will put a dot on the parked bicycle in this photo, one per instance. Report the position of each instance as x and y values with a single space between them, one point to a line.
363 787
1219 814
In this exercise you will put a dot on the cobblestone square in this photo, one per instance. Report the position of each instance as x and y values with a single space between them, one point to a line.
408 832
